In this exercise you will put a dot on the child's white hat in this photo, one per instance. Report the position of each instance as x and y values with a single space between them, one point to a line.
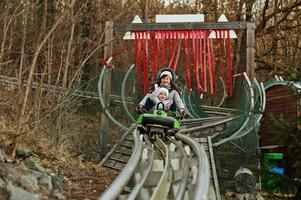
163 89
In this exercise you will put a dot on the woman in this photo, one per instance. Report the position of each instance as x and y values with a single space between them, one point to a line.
165 78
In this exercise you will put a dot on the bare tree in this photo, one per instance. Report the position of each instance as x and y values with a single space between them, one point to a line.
39 46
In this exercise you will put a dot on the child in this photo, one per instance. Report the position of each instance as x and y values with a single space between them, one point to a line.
160 95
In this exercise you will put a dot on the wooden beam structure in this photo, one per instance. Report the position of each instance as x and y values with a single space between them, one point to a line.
247 26
181 26
104 126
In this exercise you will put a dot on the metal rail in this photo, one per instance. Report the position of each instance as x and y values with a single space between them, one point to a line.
240 132
185 170
117 186
185 104
193 112
202 186
198 128
140 182
219 105
135 191
221 109
103 104
204 119
123 94
161 191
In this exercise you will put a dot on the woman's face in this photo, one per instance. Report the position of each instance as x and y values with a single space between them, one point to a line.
165 80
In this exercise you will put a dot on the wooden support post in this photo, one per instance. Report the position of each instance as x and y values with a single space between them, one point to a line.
104 125
299 111
250 60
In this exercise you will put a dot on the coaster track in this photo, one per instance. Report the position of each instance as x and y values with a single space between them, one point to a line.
183 166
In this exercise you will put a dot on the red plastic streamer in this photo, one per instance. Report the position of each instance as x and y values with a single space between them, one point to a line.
179 36
195 47
214 88
187 60
138 59
162 47
156 56
200 52
146 57
173 50
220 35
229 66
157 48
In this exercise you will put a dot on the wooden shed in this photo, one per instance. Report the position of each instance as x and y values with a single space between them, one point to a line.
281 102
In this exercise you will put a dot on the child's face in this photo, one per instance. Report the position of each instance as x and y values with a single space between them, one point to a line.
162 96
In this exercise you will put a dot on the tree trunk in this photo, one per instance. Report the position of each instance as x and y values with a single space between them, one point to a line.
23 40
30 76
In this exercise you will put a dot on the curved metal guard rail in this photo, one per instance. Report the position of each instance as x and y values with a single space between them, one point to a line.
239 131
185 93
224 94
102 101
116 187
189 105
123 94
193 112
257 117
203 165
274 82
261 101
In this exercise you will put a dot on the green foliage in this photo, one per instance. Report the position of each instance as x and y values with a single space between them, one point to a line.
289 134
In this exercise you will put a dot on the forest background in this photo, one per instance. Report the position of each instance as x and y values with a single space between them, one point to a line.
60 43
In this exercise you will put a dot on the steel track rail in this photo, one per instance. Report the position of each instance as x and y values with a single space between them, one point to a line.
221 109
161 191
185 170
203 180
198 128
204 119
135 191
117 186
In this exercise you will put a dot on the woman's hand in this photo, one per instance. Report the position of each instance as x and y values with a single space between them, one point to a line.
140 109
182 112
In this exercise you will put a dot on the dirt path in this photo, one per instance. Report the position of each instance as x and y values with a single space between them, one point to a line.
85 182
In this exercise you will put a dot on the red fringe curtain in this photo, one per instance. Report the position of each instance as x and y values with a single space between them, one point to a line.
155 49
